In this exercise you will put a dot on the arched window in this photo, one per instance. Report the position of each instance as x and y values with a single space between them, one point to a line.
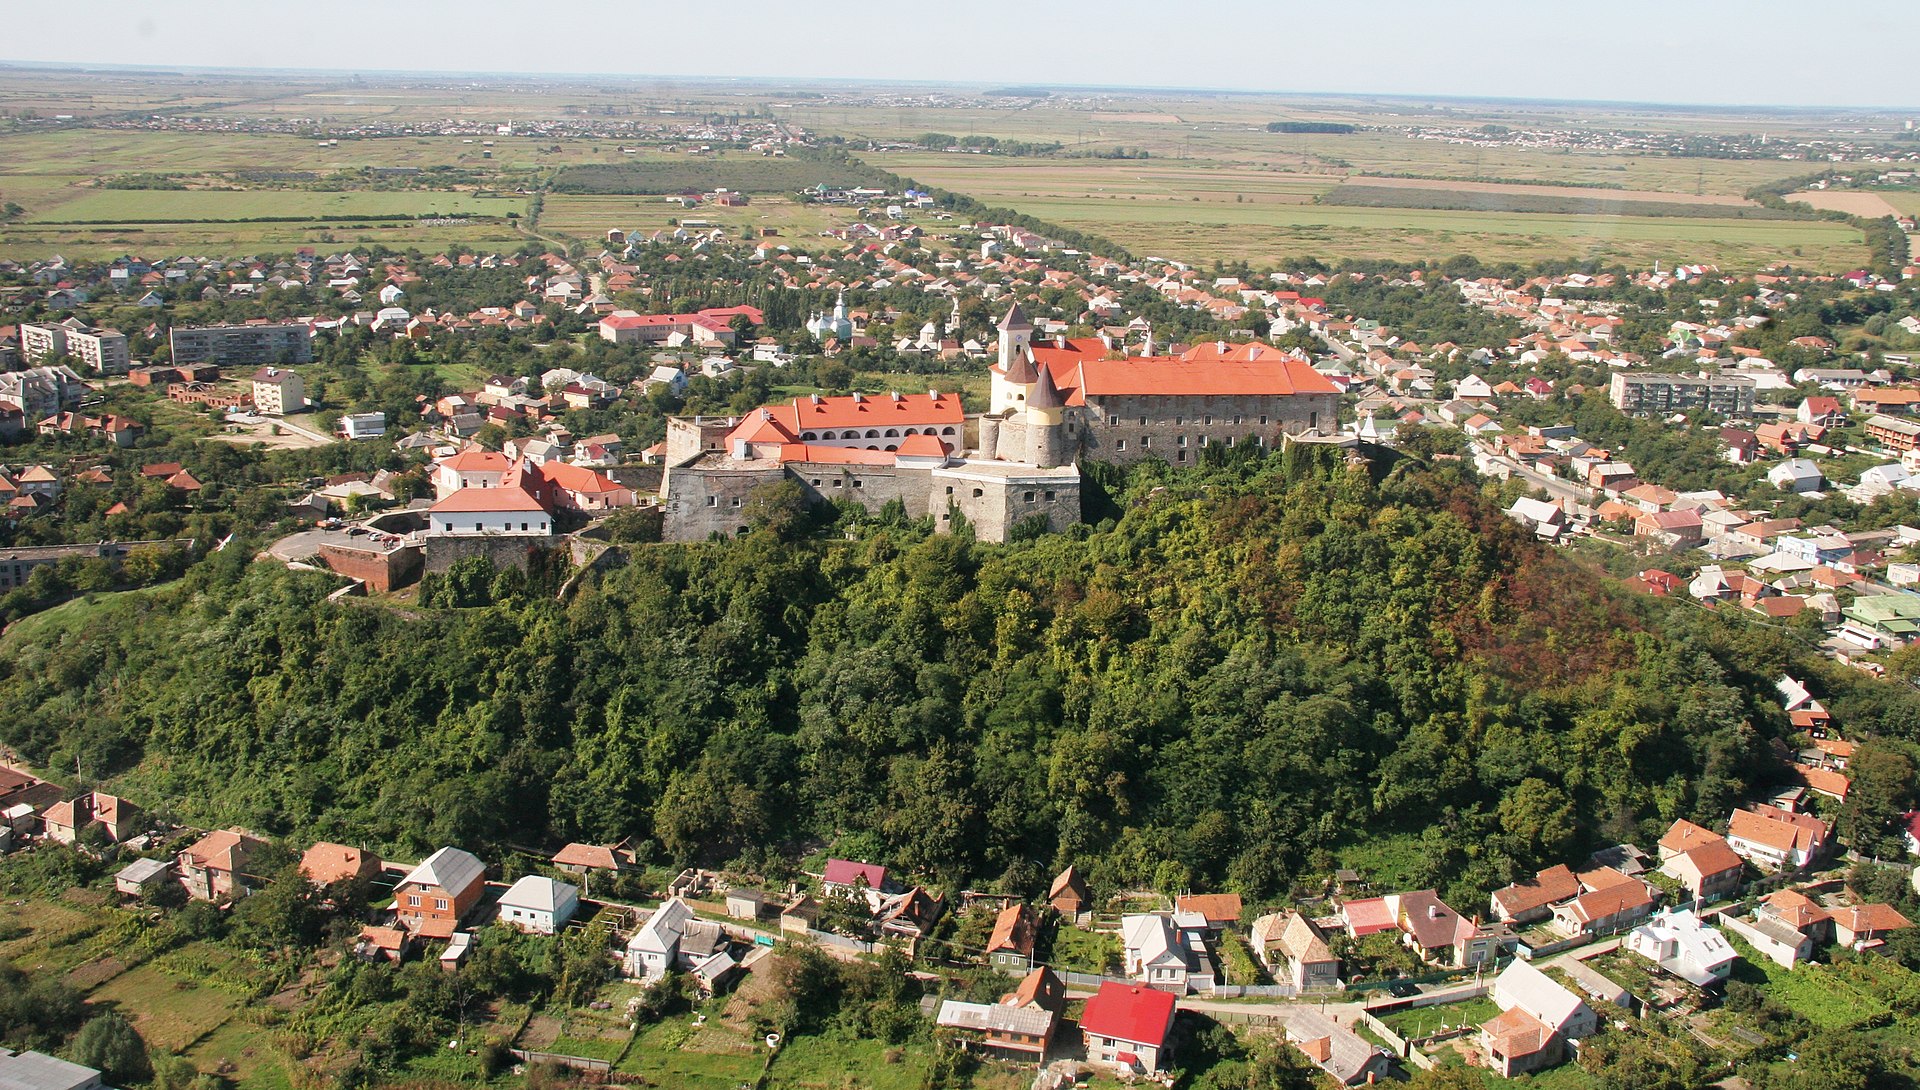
893 446
893 433
808 437
947 430
870 446
873 433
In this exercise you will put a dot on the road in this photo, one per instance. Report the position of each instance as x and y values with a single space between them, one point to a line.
1553 486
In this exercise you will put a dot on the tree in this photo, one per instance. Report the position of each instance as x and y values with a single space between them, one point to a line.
110 1045
1881 790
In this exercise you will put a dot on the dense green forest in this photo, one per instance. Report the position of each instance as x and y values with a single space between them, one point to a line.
1249 670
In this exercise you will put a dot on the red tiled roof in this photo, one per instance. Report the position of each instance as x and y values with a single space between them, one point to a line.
908 410
479 500
842 872
1129 1012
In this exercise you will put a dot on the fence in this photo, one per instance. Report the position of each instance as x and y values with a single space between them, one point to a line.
1250 991
581 1063
831 939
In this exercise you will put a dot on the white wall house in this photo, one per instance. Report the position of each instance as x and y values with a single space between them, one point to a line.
539 904
655 948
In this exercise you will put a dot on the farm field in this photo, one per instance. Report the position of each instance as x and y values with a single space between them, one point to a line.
1272 234
158 206
591 215
26 242
1855 202
1200 212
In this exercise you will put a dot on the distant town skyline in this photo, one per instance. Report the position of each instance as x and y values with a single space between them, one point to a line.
1707 52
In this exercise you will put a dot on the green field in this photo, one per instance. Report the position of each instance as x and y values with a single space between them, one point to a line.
135 206
1215 211
590 215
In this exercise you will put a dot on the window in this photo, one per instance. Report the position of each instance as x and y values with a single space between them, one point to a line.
1263 421
839 484
1143 421
1146 442
1313 421
1113 421
856 482
413 900
1029 496
1049 493
949 490
523 527
1180 441
1120 445
1183 456
713 501
1236 418
1207 419
736 501
815 482
439 904
977 493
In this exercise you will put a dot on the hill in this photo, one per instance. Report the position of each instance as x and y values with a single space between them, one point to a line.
1255 668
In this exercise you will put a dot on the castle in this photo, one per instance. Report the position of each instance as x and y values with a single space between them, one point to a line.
1052 406
1072 401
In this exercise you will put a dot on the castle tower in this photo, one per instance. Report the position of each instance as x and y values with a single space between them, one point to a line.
1012 383
1046 416
1015 332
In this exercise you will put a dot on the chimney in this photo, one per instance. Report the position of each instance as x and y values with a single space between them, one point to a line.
740 449
859 398
895 394
1433 912
815 398
933 395
1220 347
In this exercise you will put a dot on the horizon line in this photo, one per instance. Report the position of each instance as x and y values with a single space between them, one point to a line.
575 78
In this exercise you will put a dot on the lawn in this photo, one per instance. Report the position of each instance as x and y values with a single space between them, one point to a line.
170 1011
1420 1021
1084 951
830 1063
670 1054
245 1054
56 934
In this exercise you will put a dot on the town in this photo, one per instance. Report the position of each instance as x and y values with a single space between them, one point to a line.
550 582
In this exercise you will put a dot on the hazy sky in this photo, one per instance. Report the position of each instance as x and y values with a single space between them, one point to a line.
1854 52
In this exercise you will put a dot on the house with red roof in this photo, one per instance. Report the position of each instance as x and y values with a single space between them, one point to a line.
1127 1025
219 865
843 877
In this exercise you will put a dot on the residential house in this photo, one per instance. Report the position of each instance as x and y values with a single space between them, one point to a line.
1797 475
1442 936
1126 1026
1676 941
327 864
39 1071
1068 894
1533 899
219 866
1537 1018
1800 912
1709 869
578 858
798 915
1864 927
539 904
745 904
1772 938
117 817
910 915
1014 934
1294 951
654 949
1153 953
1611 902
1776 839
138 877
1026 1032
1344 1055
846 878
363 426
433 897
1217 909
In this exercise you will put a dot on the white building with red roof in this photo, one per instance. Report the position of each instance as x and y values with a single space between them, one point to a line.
1126 1026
